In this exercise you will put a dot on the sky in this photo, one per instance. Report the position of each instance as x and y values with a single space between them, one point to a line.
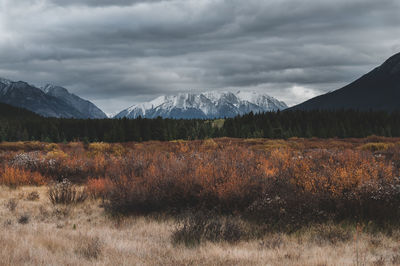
116 53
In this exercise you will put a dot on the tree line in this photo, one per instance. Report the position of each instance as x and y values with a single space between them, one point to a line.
17 124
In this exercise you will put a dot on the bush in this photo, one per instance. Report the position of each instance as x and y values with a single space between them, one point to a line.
209 144
329 234
21 145
228 180
56 155
66 193
272 241
201 226
376 146
14 177
51 147
23 219
99 148
97 188
284 189
34 195
118 149
12 204
282 185
283 206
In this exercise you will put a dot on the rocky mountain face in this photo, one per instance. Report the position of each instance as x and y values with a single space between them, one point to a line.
85 107
206 105
51 102
377 90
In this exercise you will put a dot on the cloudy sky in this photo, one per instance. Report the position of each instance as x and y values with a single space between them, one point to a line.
119 52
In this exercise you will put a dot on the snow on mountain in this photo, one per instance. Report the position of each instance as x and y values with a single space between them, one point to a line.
206 105
4 85
5 81
265 101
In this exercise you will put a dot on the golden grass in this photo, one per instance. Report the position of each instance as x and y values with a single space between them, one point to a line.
84 235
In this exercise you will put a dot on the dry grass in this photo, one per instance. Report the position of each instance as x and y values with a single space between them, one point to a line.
83 235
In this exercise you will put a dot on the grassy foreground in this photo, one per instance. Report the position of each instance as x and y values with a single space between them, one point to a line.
35 232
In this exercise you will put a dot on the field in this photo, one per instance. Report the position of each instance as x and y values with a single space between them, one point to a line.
217 201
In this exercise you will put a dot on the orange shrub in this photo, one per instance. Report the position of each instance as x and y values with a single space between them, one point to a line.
291 180
280 184
97 188
14 177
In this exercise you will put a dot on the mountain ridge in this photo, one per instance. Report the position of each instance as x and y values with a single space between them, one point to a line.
206 105
47 104
82 105
379 89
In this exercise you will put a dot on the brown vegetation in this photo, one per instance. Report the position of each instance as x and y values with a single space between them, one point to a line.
284 184
218 201
40 233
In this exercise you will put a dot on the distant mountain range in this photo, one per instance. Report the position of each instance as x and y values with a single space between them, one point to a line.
56 101
377 90
206 105
50 101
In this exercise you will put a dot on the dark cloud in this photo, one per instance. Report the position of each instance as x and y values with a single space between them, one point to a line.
120 52
101 3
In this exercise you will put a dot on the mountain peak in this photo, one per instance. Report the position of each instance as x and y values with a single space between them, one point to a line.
85 107
49 88
5 81
207 105
392 65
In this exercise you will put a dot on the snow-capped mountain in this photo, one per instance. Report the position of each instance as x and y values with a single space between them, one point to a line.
4 82
206 105
85 107
52 103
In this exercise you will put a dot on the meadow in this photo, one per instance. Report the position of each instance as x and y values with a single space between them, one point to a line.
214 201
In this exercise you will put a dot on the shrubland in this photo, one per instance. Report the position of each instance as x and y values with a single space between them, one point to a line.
280 183
257 196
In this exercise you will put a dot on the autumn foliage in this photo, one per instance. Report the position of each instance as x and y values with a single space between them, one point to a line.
14 177
98 187
277 182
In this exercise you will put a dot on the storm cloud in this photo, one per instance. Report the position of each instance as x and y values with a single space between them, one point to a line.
120 52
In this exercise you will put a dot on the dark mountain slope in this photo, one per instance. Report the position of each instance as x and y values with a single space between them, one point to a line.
87 108
21 94
377 90
52 101
8 111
